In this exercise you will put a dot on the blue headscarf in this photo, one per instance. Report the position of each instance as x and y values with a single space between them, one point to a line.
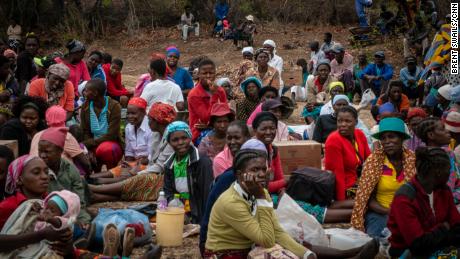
177 126
172 50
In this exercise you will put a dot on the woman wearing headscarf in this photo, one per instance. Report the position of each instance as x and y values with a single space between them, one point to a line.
62 173
180 75
317 86
413 119
29 116
335 88
246 106
214 141
55 118
138 144
268 75
144 185
345 152
74 61
276 61
276 107
187 172
326 124
27 179
226 84
55 88
385 170
100 123
246 64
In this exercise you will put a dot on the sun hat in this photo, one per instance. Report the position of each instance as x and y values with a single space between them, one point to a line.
392 125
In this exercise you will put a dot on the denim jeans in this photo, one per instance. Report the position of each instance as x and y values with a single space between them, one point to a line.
375 223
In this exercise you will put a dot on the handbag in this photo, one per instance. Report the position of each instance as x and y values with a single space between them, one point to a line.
312 185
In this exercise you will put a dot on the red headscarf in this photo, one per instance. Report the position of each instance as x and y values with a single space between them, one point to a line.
138 102
416 112
162 113
55 136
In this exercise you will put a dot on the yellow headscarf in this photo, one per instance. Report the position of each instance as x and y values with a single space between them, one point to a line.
335 84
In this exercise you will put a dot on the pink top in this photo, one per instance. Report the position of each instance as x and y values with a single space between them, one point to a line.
338 69
78 73
222 162
142 81
254 114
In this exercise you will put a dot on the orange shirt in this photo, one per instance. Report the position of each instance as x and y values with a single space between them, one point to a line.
405 104
37 88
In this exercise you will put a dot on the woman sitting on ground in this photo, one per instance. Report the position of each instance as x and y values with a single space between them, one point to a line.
144 185
434 134
277 108
244 107
345 152
187 172
214 141
414 117
384 171
317 87
55 88
243 216
138 144
326 124
423 218
74 61
100 122
395 96
29 117
237 134
268 75
265 93
55 118
265 125
28 179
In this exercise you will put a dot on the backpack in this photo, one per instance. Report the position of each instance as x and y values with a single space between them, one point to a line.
312 185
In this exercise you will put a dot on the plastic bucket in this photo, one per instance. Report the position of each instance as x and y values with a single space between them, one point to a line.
170 226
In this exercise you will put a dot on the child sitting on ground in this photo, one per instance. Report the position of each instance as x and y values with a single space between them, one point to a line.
60 210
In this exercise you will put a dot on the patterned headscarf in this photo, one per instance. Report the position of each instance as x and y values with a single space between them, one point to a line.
162 113
59 70
138 102
15 170
177 126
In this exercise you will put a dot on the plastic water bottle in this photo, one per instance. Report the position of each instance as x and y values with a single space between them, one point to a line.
176 202
162 201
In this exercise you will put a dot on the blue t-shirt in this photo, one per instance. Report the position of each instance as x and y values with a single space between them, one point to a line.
183 78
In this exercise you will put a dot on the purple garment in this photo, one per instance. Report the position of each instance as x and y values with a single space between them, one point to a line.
414 143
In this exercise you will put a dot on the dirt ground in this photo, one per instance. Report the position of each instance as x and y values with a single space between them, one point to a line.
291 40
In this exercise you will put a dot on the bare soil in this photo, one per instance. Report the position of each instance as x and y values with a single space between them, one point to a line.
291 39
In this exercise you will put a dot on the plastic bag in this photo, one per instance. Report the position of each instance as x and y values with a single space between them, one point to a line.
368 97
299 224
121 218
344 239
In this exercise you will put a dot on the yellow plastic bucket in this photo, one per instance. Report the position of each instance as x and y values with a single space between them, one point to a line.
170 226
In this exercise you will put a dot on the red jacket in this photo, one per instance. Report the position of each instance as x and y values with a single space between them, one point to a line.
341 159
199 106
411 219
278 181
9 205
114 86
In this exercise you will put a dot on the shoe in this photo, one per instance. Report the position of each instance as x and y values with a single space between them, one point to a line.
128 241
111 239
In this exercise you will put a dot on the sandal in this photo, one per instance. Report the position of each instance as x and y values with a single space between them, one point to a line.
111 238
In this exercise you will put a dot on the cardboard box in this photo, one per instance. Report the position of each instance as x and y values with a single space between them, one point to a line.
298 154
11 144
